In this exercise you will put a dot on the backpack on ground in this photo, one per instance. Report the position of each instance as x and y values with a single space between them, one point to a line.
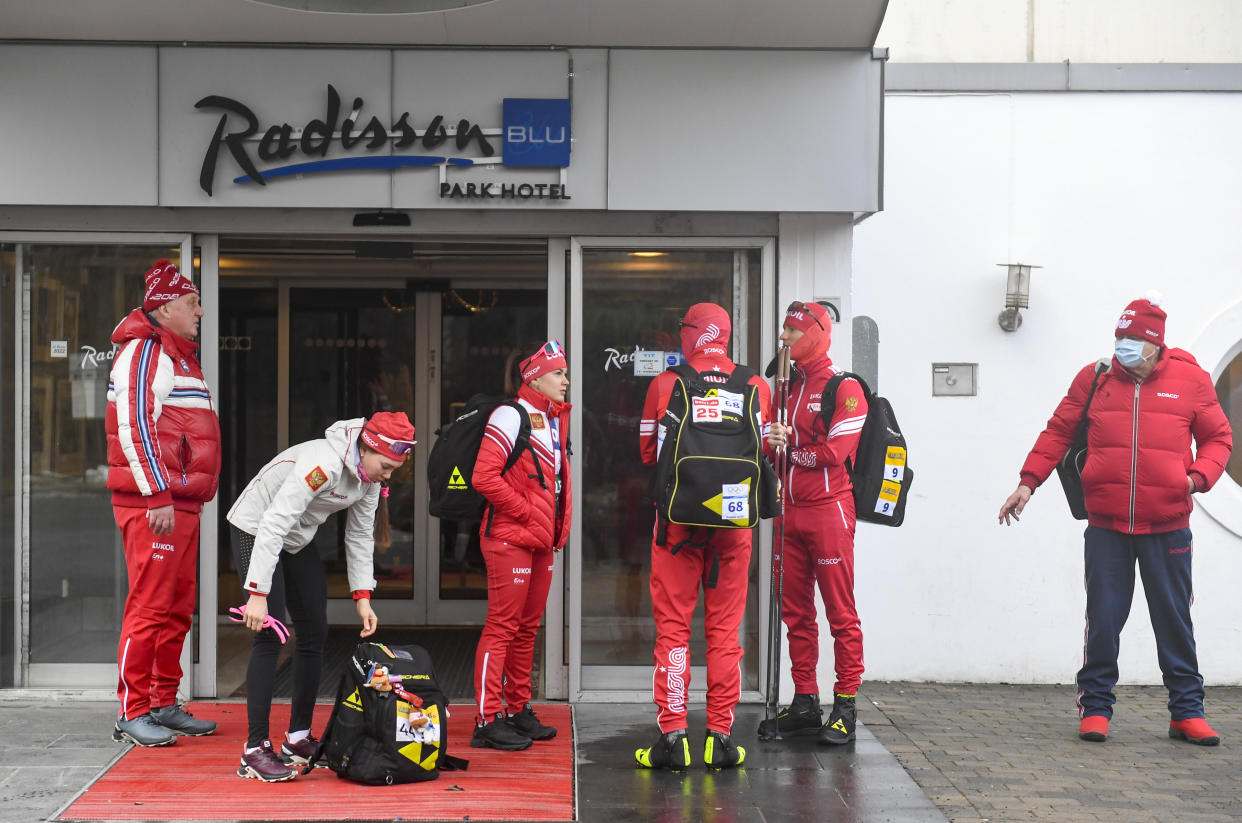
451 462
711 471
880 472
389 722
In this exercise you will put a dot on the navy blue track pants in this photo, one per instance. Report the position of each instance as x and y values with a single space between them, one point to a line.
1164 562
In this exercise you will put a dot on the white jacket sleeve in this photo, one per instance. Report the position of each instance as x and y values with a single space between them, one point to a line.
360 541
288 505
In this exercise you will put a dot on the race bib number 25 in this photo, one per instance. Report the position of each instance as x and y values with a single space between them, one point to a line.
705 409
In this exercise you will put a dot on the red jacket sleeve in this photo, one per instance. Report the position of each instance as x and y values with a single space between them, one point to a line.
1056 437
1213 436
841 442
137 425
487 478
658 393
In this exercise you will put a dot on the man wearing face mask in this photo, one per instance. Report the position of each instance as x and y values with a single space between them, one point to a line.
1138 481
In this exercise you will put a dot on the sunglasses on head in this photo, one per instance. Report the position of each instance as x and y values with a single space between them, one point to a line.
552 348
804 308
397 447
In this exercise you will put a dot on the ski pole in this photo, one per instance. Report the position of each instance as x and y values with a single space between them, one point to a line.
776 587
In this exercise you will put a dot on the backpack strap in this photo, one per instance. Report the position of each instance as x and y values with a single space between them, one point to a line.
327 730
1101 367
704 545
449 763
521 443
828 405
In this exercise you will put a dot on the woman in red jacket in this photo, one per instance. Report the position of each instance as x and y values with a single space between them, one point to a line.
527 519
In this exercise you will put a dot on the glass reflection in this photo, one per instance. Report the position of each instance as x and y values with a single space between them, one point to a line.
631 308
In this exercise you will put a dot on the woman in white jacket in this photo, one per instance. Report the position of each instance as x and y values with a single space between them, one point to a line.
273 519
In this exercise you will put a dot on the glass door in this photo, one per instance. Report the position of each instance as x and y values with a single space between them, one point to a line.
65 294
299 354
627 296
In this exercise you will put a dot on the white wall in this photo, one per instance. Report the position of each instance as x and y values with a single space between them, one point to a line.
1055 30
1112 194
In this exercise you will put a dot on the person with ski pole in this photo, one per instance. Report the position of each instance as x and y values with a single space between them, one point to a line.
818 527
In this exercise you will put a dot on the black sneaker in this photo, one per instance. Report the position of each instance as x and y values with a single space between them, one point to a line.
142 731
263 764
671 751
804 716
176 719
840 726
499 735
528 725
720 753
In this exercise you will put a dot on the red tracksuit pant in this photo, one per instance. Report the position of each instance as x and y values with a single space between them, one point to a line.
159 610
819 549
675 582
518 580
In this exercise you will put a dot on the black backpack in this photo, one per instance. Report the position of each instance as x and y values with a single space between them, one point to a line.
451 462
880 472
389 722
712 471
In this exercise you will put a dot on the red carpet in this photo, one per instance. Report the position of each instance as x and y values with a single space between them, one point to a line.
196 780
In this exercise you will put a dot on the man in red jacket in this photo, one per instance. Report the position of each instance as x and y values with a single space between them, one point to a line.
819 529
1138 481
677 575
163 464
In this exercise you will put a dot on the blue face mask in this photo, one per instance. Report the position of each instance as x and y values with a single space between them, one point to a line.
1129 351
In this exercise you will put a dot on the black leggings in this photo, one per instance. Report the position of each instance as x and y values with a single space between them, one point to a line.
299 583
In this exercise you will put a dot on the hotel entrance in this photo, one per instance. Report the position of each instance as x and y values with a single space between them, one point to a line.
315 331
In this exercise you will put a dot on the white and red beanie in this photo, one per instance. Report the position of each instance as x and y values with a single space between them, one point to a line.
1143 318
815 323
165 283
389 434
706 326
547 358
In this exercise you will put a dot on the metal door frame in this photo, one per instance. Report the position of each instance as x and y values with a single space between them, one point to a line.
630 680
92 678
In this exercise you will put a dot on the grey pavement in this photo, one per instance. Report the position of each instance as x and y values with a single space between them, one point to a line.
970 753
999 752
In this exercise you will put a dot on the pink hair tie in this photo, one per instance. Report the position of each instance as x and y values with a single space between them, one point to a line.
384 490
269 622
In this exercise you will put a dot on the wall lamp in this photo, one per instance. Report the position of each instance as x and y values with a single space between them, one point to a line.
1017 295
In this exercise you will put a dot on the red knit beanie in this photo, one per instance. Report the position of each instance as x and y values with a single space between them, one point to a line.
1143 318
547 358
815 323
390 434
165 284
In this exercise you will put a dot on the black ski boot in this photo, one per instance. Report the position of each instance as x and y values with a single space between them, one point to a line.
671 751
720 753
840 726
803 716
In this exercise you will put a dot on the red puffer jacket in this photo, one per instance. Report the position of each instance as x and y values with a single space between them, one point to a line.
163 433
1138 443
523 512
